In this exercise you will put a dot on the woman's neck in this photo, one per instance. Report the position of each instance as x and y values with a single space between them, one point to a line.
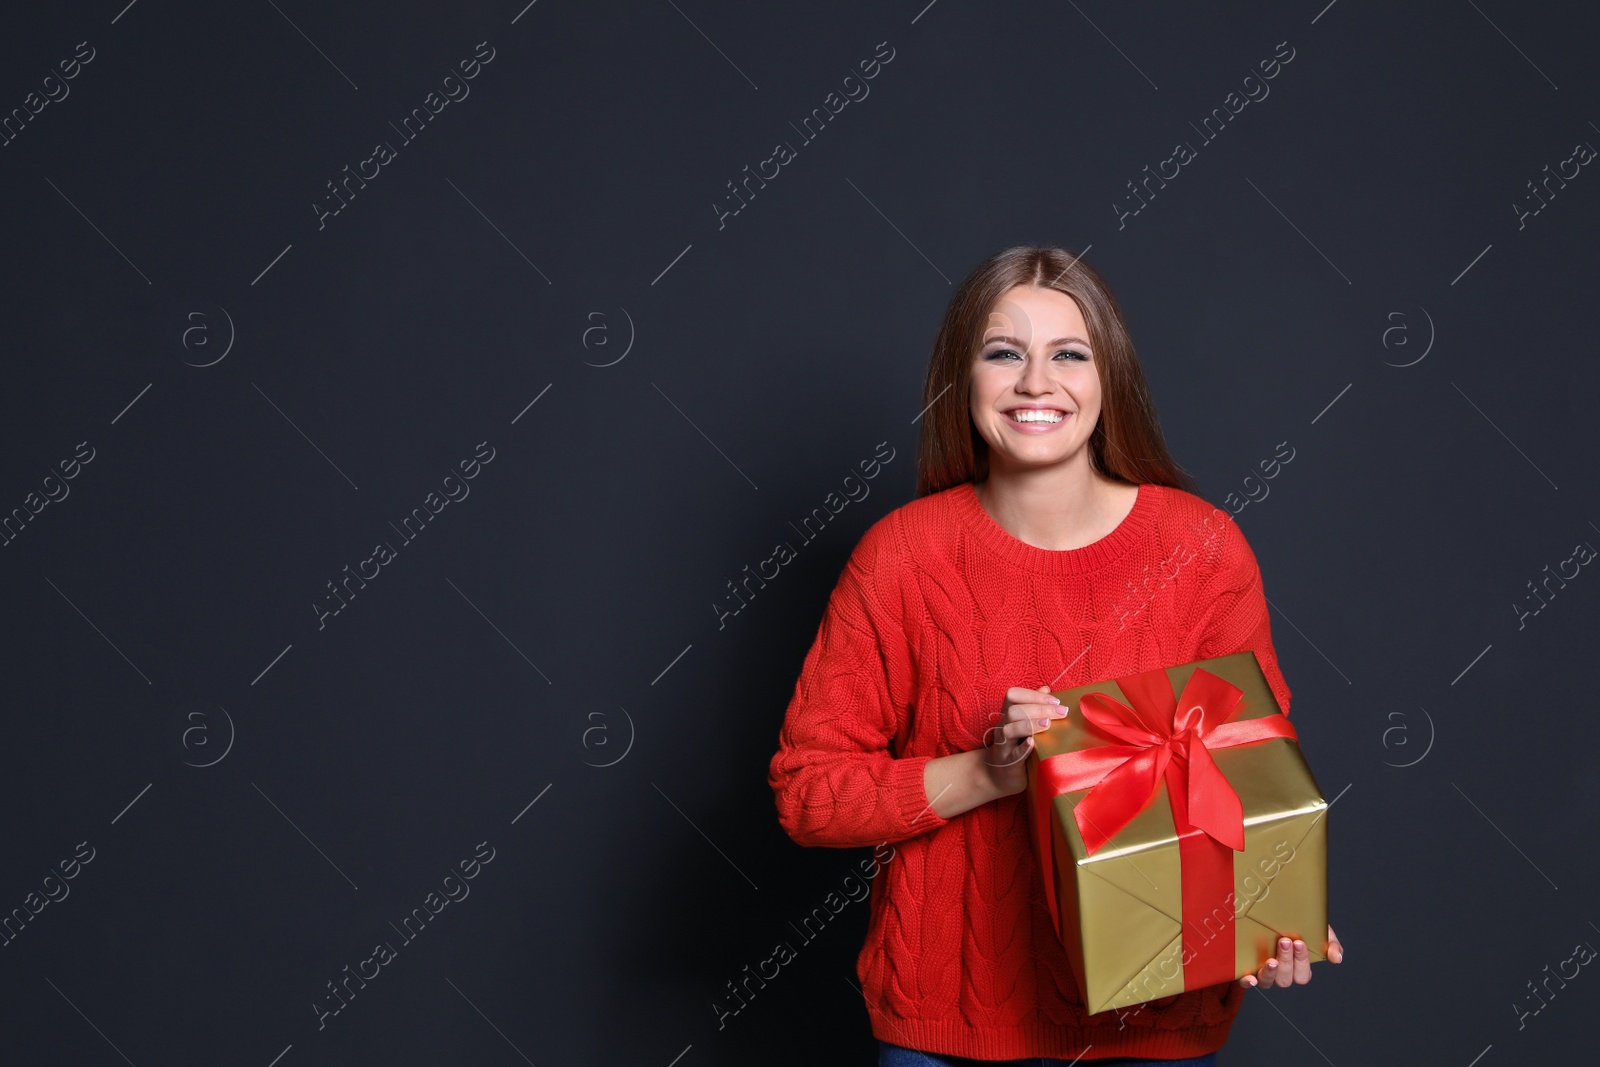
1056 509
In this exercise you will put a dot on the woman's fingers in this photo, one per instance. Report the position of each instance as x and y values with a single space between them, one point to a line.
1292 964
1283 974
1021 719
1263 977
1279 970
1041 697
1024 713
1266 976
1028 720
1035 701
1302 963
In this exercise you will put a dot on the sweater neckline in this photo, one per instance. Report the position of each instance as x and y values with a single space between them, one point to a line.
1088 557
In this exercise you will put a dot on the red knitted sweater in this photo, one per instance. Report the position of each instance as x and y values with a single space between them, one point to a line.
937 613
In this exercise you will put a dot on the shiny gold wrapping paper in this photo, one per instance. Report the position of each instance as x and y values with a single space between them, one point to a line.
1121 909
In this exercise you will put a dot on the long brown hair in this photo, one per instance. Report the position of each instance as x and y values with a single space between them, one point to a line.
1126 444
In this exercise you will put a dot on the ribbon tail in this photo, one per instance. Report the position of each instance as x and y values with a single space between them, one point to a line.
1120 796
1214 805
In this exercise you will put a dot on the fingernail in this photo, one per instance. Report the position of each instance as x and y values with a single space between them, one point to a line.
1043 723
1272 965
1060 713
1056 699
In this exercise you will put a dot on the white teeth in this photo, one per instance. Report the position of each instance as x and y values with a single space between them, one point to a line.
1023 415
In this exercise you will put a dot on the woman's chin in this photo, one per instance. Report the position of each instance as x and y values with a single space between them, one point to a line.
1024 460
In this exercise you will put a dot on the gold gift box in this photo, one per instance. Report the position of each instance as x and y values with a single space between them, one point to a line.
1120 910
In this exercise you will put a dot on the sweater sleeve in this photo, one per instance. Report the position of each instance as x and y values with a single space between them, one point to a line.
835 777
1231 612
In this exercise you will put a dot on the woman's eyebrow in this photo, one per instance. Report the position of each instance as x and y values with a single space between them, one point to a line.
1012 340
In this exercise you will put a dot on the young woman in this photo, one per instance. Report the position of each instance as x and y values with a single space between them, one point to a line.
1037 556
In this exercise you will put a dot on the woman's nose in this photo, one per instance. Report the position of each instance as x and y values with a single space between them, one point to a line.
1035 377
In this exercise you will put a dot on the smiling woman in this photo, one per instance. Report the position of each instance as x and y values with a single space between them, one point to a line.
1044 490
1000 314
1035 403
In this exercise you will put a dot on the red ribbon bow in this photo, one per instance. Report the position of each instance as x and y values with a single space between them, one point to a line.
1169 738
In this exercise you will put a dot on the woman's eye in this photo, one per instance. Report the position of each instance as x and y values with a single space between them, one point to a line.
1007 354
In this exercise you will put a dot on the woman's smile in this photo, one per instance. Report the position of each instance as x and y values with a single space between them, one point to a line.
1032 419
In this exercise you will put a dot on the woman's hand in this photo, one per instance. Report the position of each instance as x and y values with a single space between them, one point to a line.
962 781
1007 744
1292 966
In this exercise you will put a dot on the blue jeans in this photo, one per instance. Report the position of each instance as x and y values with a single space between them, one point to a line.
896 1056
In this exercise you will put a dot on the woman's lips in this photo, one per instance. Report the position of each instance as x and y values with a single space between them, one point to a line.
1037 427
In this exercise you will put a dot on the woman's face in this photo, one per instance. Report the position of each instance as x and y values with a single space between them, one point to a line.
1035 395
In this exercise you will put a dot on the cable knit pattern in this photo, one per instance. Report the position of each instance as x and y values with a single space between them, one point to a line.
939 611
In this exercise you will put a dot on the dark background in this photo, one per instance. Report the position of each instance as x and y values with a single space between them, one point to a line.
1342 270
